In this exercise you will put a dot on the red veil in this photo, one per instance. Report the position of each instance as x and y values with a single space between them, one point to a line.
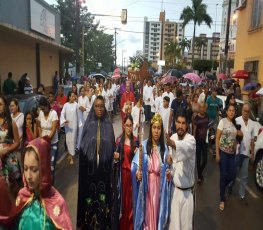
53 202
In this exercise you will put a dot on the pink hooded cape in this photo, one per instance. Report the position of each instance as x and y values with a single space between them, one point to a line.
51 199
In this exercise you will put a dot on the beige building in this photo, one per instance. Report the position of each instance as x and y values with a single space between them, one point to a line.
206 48
30 42
157 34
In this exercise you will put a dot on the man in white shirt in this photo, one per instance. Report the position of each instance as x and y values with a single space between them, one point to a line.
165 113
246 149
147 93
182 148
168 93
153 102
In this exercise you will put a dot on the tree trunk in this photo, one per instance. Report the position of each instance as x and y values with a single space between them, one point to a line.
193 46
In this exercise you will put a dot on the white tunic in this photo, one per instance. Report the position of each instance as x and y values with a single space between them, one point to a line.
19 120
109 99
82 116
170 95
183 168
135 116
153 103
147 93
70 113
165 114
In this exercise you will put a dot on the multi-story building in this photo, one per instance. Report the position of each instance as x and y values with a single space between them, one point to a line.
157 34
232 33
249 49
206 48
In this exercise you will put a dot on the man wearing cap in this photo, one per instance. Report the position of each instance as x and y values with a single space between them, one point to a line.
213 105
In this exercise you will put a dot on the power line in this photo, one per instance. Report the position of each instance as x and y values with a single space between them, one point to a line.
157 34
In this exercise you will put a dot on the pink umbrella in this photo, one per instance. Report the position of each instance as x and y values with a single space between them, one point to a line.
168 79
192 77
116 75
222 76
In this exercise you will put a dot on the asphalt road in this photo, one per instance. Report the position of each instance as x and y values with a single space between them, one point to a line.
237 215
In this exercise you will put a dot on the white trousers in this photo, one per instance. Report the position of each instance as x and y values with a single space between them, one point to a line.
182 209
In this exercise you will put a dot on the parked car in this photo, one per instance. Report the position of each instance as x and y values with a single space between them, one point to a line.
259 160
27 102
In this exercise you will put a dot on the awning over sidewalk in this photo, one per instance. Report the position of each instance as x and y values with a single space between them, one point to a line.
9 30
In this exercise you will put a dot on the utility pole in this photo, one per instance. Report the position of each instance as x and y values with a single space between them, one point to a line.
227 36
115 38
77 42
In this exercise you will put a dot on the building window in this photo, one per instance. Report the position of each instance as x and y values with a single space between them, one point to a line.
256 14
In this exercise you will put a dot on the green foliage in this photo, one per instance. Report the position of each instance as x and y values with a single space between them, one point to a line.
172 53
97 44
198 14
204 65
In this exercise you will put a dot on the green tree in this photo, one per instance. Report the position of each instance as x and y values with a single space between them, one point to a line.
172 52
185 44
97 44
198 14
199 44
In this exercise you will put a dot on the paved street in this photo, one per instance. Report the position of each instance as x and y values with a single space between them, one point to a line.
207 216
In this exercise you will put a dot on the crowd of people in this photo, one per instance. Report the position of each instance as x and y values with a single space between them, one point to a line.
127 182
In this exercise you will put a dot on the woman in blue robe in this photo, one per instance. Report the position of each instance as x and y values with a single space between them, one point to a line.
145 185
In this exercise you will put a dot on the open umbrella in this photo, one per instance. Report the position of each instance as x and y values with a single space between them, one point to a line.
75 78
222 76
168 79
241 74
249 86
260 92
192 77
175 73
211 77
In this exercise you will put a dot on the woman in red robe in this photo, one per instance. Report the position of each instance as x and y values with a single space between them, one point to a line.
127 101
122 180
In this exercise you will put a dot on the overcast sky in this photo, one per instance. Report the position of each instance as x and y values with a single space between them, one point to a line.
131 38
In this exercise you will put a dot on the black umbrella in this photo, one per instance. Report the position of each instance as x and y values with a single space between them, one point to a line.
185 71
211 77
175 73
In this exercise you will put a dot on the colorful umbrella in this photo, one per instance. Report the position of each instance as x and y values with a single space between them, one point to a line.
249 86
168 79
241 74
192 77
222 76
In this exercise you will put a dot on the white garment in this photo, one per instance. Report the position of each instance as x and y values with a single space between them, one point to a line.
83 101
248 132
183 172
109 99
19 120
182 209
201 98
46 124
70 113
147 92
165 114
135 116
153 103
170 95
158 103
82 116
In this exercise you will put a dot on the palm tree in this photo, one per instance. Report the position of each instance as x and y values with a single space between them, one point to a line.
197 13
199 44
172 52
185 43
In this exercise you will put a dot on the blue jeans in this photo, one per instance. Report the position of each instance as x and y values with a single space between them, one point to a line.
242 162
147 112
227 172
54 153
